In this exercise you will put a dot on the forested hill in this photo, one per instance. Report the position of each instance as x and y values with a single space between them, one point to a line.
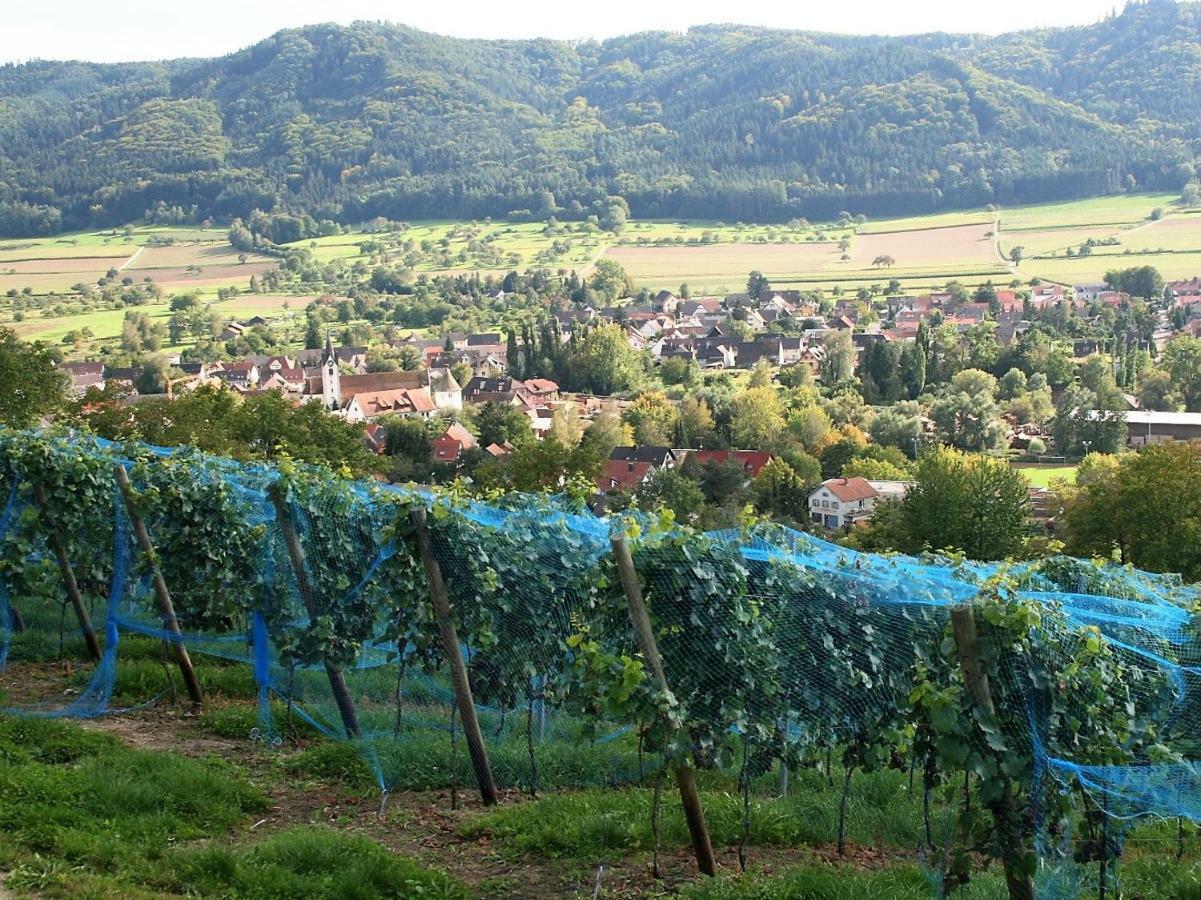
727 122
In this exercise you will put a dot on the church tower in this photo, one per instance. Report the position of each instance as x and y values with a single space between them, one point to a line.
331 378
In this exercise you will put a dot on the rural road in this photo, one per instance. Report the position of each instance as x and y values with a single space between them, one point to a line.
129 262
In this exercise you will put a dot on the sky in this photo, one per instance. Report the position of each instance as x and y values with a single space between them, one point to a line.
118 30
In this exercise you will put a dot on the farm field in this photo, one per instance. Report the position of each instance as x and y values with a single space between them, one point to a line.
710 256
106 323
197 260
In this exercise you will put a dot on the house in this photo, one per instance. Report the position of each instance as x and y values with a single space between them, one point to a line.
84 375
446 392
449 445
375 437
404 402
841 502
657 457
752 461
622 475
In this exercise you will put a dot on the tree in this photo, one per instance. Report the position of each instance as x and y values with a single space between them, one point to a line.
603 362
968 421
1145 508
965 502
1016 254
607 431
1137 281
974 381
756 419
33 387
898 426
1156 391
811 425
496 423
1182 361
838 361
672 489
654 419
610 280
696 426
780 492
757 285
913 369
1012 384
1085 421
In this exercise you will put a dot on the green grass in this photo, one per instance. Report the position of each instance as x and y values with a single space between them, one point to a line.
1120 209
1041 476
817 881
589 824
83 815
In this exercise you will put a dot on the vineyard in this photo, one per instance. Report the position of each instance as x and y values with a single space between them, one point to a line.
1045 714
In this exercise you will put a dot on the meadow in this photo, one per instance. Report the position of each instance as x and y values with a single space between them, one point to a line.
711 257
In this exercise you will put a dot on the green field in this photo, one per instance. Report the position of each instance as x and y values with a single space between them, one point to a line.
1042 476
711 257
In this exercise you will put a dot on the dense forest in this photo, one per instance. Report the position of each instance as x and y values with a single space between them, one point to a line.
350 123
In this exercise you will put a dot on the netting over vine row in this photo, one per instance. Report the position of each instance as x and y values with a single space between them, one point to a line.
778 648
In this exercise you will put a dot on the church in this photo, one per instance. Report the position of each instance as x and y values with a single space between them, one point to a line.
362 397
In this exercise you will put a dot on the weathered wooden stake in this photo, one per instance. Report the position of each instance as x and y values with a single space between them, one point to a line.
685 780
963 626
161 595
15 620
337 681
69 582
454 657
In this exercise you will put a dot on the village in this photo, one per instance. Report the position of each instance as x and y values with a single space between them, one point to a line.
782 332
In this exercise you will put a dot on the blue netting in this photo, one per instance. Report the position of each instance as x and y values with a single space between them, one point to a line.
839 643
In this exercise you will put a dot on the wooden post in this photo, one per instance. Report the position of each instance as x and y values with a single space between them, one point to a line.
454 657
161 595
337 681
68 576
685 780
15 620
963 627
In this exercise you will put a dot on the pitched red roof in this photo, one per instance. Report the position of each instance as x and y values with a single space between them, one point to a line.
752 460
848 490
622 474
447 450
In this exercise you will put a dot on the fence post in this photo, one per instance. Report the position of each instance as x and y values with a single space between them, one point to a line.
16 620
337 681
68 576
963 627
685 778
161 595
454 657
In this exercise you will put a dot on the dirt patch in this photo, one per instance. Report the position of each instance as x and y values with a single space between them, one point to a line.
961 244
725 259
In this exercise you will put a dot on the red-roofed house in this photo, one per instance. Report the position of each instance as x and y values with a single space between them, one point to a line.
752 461
402 402
622 475
839 502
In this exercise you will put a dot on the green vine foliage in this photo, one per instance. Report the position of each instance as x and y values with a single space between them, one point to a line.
766 650
206 543
79 492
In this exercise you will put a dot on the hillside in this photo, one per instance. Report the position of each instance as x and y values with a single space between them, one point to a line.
725 122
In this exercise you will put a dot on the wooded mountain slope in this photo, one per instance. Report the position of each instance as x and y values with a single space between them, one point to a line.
725 122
